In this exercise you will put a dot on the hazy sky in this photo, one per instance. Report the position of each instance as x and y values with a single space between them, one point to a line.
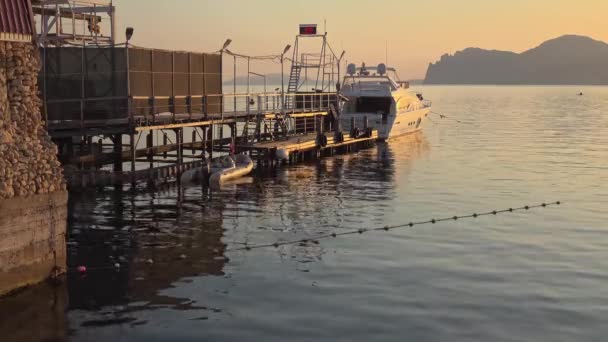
417 32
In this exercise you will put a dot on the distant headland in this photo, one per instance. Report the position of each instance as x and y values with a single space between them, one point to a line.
567 60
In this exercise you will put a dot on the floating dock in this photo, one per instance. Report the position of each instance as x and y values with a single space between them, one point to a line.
309 146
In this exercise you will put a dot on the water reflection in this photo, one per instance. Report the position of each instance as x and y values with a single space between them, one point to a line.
166 237
305 201
158 237
35 314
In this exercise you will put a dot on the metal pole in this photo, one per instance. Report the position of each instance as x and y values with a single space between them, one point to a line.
234 85
129 104
248 76
133 156
45 97
282 84
113 22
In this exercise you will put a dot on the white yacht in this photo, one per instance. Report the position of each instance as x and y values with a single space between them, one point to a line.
376 93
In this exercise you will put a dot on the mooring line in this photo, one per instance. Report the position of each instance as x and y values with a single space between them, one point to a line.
324 236
443 116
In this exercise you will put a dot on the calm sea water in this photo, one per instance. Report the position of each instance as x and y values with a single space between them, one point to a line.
536 276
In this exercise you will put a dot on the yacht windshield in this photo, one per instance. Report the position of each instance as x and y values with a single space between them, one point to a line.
367 104
368 82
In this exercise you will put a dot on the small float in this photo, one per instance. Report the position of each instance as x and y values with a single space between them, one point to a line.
228 168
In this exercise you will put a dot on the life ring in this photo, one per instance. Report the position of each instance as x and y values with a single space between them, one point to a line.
354 133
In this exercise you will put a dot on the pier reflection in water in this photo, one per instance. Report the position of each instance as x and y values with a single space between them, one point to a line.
170 239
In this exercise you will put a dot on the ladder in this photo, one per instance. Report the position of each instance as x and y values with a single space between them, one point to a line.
292 86
294 78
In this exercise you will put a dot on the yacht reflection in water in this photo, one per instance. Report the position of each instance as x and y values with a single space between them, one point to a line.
308 200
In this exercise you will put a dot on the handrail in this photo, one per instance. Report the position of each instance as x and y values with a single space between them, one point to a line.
245 104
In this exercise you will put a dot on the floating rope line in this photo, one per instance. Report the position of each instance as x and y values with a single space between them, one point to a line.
117 266
315 240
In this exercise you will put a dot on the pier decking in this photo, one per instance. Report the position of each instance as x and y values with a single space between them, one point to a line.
297 148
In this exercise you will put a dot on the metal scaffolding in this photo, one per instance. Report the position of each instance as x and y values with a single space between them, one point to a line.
75 22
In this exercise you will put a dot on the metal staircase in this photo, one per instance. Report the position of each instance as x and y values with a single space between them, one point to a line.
294 78
293 85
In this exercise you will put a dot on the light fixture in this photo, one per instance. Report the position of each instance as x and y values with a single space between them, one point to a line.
226 43
286 49
129 33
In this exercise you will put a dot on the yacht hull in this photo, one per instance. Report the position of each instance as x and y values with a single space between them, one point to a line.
393 126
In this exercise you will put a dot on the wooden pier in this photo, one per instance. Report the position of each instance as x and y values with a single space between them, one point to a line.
122 113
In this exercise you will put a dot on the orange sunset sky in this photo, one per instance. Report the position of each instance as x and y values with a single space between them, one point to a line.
417 32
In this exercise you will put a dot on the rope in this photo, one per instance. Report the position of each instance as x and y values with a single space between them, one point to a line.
246 247
447 117
266 57
387 228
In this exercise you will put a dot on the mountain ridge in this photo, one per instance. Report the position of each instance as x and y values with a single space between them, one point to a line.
568 59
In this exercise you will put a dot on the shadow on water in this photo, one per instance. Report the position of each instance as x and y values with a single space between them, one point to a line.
163 236
157 236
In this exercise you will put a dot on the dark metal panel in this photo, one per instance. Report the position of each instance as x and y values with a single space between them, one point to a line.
213 79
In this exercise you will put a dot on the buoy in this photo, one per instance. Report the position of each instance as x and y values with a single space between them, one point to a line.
149 261
81 269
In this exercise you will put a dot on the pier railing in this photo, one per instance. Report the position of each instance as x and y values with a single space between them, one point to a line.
146 110
119 87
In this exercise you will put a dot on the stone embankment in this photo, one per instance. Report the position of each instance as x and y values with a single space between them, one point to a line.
28 157
33 197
